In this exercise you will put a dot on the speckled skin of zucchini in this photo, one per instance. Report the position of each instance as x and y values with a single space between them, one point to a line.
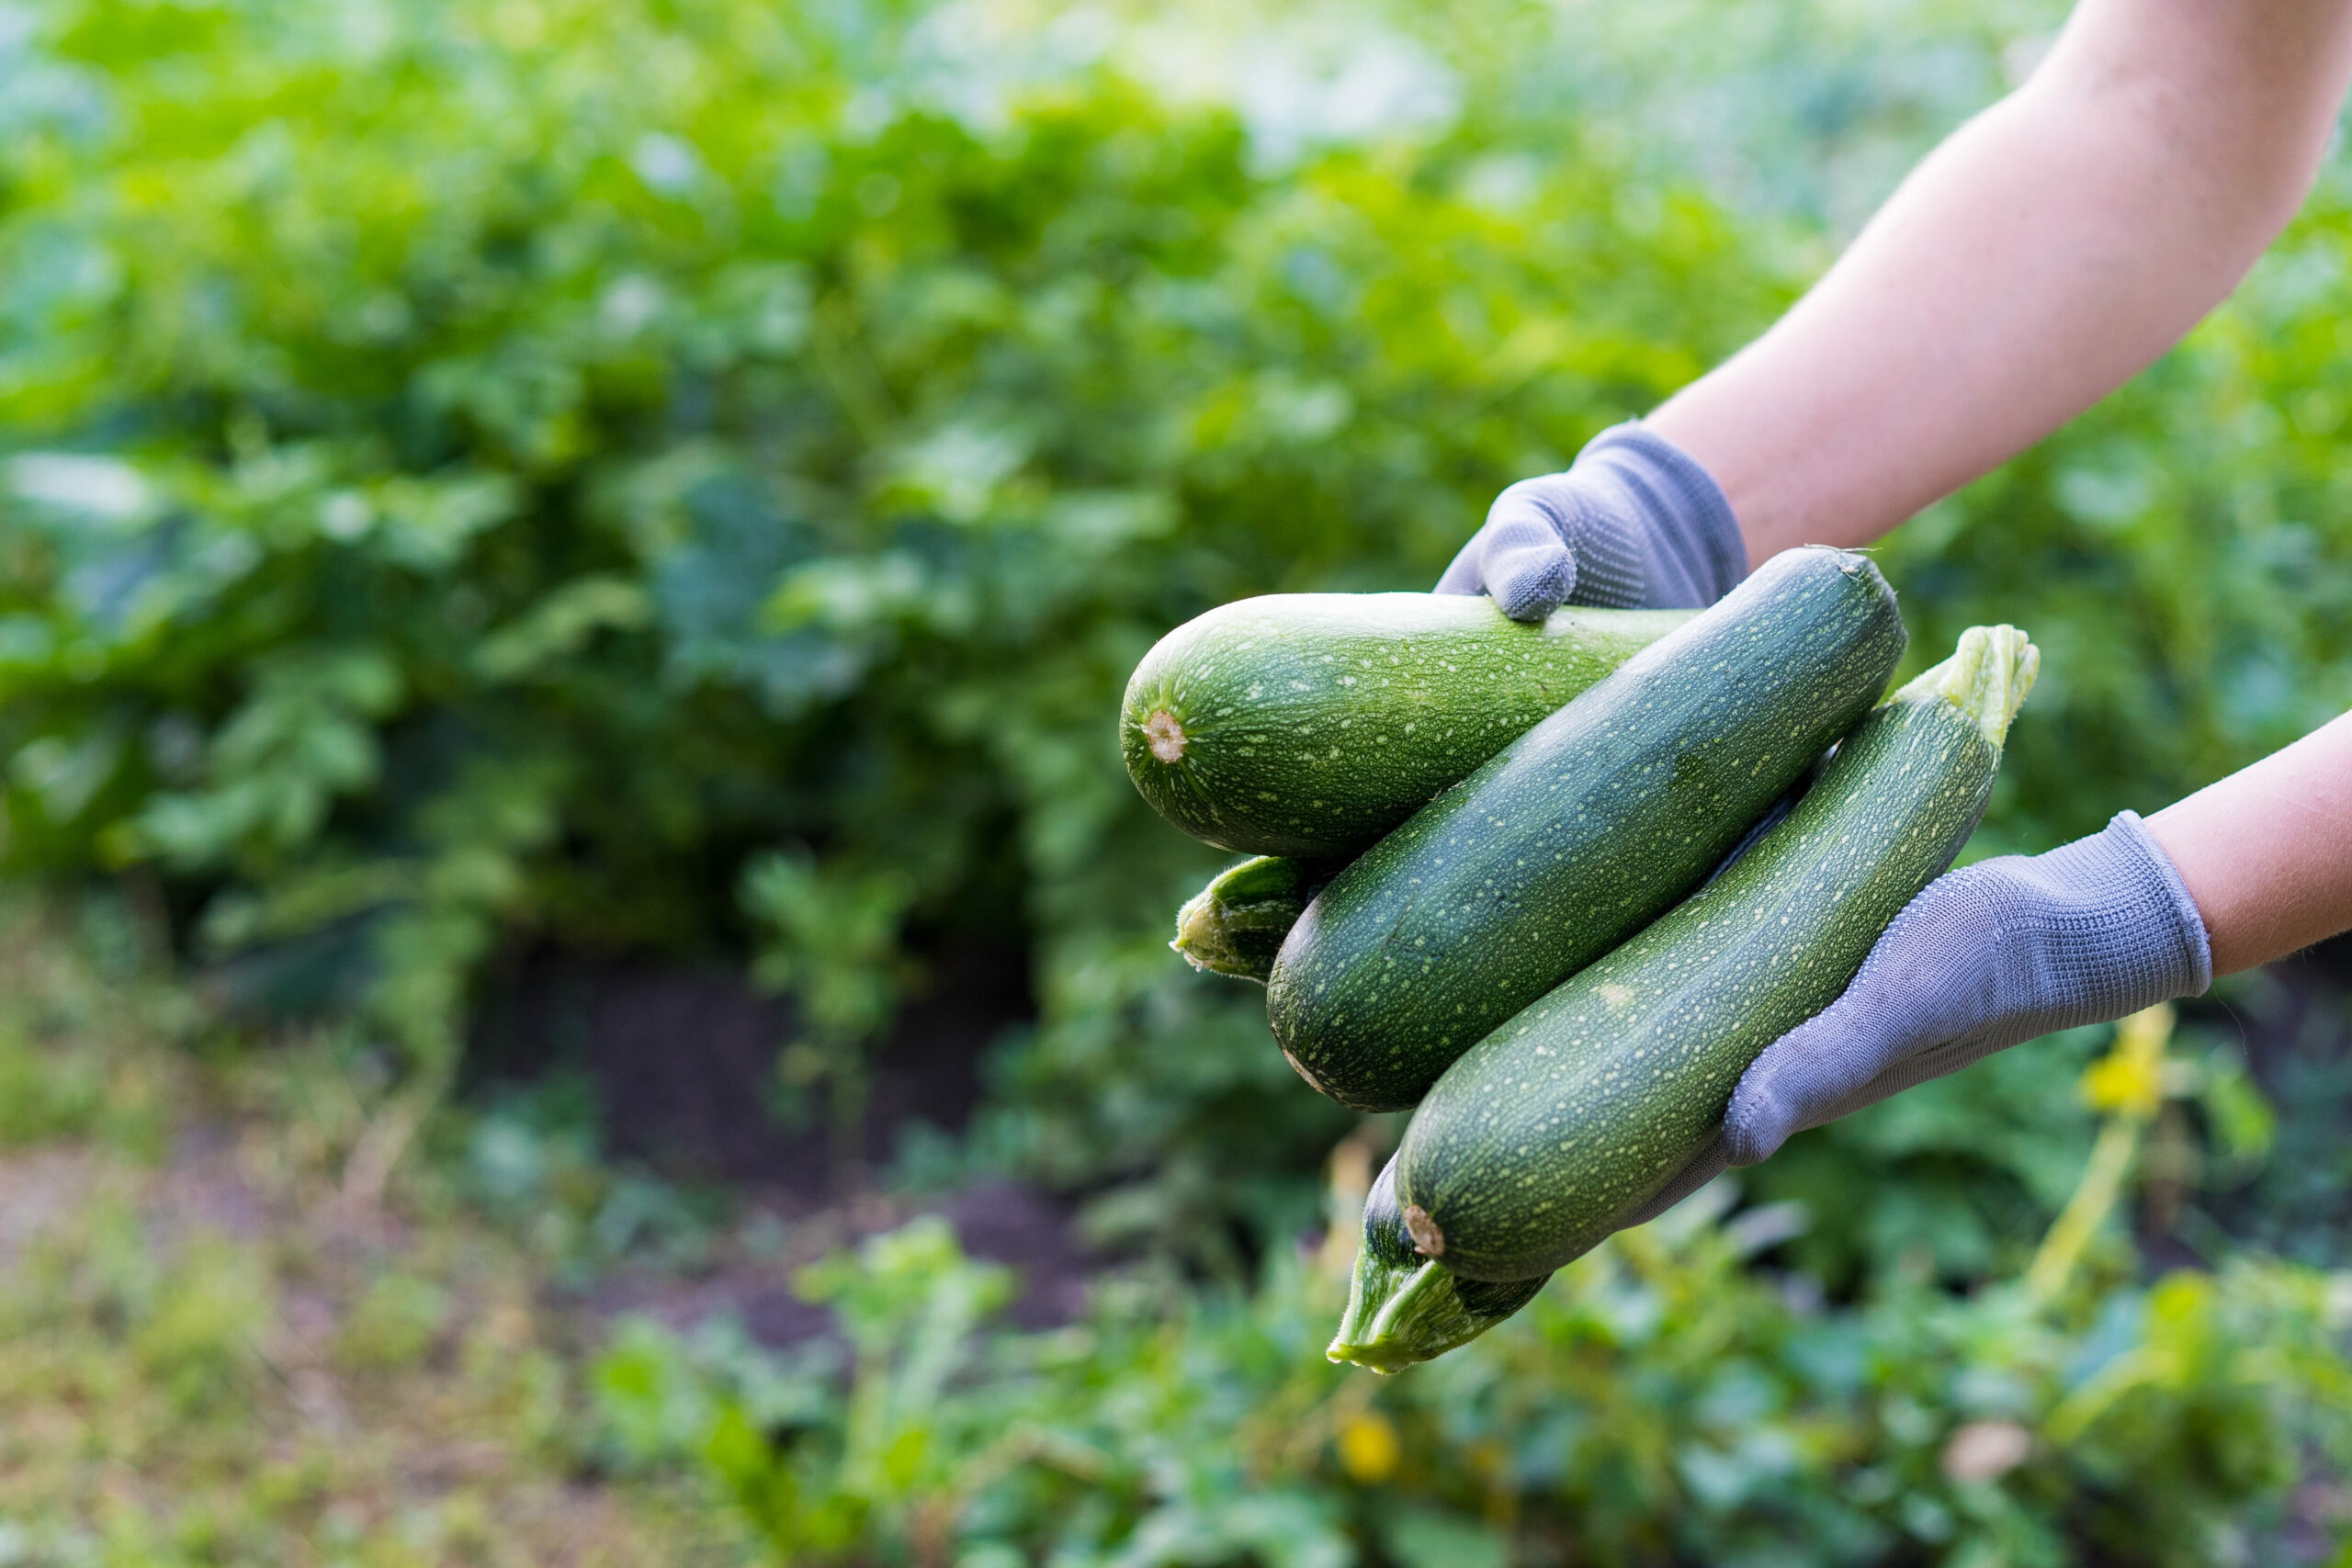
1236 925
1563 1121
1310 724
1579 832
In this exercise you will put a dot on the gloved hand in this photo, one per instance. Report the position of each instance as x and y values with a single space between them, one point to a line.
1634 523
1989 955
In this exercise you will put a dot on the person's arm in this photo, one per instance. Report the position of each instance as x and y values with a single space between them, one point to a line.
2266 852
2050 250
2047 251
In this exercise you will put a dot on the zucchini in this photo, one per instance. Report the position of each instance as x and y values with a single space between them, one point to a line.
1236 924
1553 1129
1579 832
1403 1308
1310 724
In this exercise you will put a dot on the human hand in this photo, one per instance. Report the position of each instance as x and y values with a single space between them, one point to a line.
1987 956
1634 523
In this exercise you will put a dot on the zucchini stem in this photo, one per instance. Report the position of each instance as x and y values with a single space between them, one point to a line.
1375 1287
1236 925
1400 1314
1987 678
1397 1316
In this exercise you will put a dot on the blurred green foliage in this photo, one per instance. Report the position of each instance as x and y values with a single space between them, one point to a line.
1658 1403
624 476
688 478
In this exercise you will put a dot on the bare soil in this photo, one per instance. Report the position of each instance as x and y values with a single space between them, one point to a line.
683 1066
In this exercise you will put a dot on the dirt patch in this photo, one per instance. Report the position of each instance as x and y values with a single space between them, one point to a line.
684 1060
683 1064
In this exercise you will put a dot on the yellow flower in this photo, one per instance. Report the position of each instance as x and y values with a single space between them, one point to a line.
2130 1080
1368 1448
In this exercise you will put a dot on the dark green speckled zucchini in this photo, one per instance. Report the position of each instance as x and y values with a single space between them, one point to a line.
1563 1122
1579 832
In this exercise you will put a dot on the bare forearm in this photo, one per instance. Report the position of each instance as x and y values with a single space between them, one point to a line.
2046 253
2266 852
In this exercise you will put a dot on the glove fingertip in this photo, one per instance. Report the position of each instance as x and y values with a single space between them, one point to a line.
1766 1104
1529 584
1755 1125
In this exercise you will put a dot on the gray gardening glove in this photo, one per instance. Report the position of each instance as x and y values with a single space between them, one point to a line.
1989 955
1635 524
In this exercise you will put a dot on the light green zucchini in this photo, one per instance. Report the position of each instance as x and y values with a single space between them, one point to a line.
1310 724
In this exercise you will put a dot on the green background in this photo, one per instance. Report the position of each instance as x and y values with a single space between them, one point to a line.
686 483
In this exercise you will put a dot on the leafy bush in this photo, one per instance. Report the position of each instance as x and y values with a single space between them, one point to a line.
690 479
1671 1397
634 478
1659 1403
